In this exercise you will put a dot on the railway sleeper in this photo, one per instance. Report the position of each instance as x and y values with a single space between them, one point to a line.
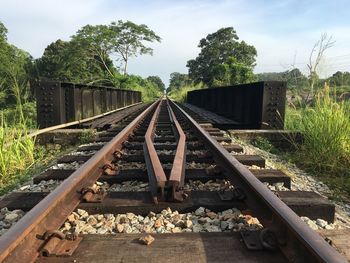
303 203
269 176
244 159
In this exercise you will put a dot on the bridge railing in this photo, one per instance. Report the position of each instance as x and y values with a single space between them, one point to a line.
62 102
258 105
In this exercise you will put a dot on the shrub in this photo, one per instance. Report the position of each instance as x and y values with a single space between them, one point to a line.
326 130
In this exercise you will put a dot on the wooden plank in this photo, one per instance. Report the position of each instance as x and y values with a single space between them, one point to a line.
95 147
169 248
272 176
74 158
166 158
233 148
170 146
250 160
309 204
303 203
52 175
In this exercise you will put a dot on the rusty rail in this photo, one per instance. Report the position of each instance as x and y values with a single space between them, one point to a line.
294 238
22 242
156 175
177 173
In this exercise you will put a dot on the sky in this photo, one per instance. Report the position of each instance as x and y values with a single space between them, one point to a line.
283 31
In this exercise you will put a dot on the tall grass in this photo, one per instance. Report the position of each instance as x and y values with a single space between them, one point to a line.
17 149
180 94
326 129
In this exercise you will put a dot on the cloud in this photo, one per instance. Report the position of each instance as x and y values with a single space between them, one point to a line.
278 29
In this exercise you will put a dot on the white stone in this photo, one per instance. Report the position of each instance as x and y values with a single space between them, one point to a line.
212 228
12 217
224 225
197 228
82 213
322 223
25 187
200 211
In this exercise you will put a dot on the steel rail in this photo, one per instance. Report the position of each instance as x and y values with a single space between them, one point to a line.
20 243
156 174
177 173
295 239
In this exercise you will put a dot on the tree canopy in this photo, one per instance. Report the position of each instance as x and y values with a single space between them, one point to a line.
88 56
130 38
156 80
178 80
13 71
223 60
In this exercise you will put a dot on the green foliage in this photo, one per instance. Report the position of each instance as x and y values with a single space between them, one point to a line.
87 136
223 59
232 73
87 57
149 90
264 144
157 81
17 152
13 71
326 130
180 94
178 80
130 38
294 78
72 61
339 79
11 115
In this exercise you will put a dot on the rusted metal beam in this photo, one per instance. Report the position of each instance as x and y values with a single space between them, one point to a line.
21 242
177 173
294 238
156 175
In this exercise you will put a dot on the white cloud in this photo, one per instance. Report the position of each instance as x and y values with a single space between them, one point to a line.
274 29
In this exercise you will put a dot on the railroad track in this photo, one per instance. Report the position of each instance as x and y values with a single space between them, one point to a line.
141 177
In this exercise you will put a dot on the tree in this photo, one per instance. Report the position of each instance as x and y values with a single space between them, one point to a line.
178 80
99 41
130 38
71 61
157 81
315 58
340 79
14 80
222 55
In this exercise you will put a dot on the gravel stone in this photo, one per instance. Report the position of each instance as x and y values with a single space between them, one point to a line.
167 221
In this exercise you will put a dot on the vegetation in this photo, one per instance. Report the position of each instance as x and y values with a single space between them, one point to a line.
181 94
86 58
325 151
223 60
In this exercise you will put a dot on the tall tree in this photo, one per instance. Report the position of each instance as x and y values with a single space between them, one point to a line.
99 42
130 39
223 59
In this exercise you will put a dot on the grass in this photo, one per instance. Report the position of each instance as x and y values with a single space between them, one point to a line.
180 95
18 152
325 151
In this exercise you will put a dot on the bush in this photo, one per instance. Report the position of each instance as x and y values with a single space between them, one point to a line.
180 94
326 130
13 114
16 152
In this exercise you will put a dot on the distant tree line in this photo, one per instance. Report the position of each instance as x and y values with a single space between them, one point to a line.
95 54
223 60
